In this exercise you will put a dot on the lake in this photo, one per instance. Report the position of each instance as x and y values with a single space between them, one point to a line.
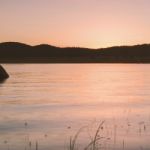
43 105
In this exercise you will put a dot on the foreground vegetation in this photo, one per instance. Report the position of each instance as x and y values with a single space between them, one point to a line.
93 144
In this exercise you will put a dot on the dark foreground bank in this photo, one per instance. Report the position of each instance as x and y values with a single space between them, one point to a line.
3 74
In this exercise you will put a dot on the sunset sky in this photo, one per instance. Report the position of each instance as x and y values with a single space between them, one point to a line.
84 23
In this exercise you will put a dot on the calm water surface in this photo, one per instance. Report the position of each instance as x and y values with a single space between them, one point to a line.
46 104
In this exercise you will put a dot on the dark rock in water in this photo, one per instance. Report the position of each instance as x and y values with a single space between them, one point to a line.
3 74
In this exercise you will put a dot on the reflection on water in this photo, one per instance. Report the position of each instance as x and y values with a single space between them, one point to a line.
45 104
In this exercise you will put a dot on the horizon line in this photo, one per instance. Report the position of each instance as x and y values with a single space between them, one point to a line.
33 45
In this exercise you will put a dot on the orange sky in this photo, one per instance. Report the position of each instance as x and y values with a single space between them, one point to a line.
84 23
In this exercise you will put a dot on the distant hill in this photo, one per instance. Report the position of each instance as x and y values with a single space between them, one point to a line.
13 52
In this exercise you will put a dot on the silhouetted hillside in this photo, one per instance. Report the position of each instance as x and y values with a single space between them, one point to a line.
11 52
